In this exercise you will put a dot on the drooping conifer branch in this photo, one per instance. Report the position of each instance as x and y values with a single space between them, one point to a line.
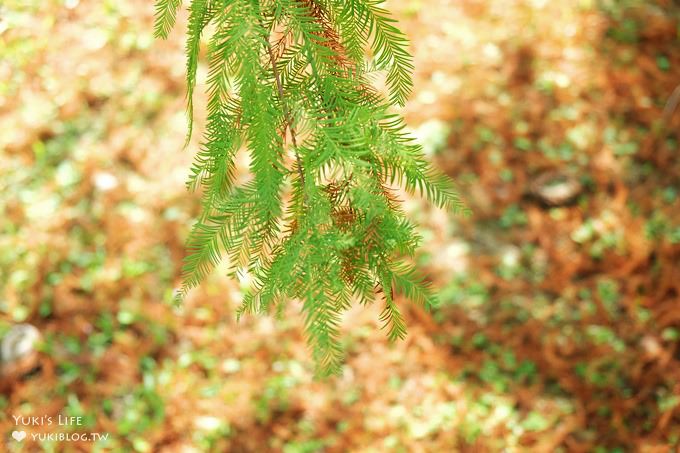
329 231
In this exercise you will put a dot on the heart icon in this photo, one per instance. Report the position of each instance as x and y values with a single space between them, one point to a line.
19 435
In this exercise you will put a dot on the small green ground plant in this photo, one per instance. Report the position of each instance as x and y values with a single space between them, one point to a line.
319 219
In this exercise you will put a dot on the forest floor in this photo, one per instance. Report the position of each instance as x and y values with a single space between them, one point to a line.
559 323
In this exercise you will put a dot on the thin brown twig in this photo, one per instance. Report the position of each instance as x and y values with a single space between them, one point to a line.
286 112
671 105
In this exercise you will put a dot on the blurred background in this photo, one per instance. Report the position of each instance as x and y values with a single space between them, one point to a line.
559 321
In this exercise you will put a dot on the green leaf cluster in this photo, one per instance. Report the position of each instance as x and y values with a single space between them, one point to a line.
289 82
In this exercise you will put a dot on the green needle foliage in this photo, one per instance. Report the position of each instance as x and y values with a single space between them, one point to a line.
319 220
